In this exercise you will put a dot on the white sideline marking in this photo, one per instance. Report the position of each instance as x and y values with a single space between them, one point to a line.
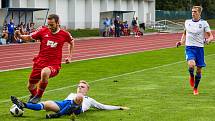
129 73
62 88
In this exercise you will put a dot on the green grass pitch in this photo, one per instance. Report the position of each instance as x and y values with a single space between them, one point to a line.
153 84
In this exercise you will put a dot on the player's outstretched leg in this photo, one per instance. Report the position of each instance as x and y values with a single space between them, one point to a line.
35 99
16 101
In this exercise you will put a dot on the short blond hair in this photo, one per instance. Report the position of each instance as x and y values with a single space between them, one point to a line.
85 82
199 8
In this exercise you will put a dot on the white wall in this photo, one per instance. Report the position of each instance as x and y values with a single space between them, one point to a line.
117 5
124 5
15 3
111 5
141 10
52 6
136 7
23 3
151 11
80 13
0 4
71 14
62 11
96 14
86 13
31 3
130 5
103 5
41 3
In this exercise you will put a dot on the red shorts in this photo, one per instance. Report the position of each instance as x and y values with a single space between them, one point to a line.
36 72
136 29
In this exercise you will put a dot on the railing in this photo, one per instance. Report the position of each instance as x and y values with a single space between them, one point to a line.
166 26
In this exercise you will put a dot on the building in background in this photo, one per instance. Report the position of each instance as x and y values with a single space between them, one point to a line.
86 13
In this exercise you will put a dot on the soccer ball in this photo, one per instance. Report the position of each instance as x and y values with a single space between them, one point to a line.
16 111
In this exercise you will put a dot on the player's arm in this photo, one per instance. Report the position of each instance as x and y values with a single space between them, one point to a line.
71 46
209 36
98 105
22 37
183 38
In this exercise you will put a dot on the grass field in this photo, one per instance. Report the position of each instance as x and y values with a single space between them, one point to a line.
153 84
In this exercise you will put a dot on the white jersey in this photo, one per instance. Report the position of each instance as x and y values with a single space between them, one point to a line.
195 32
90 102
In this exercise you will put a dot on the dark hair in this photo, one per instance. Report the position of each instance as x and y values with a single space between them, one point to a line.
54 16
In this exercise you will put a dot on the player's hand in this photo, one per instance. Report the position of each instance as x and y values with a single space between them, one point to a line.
55 115
68 60
178 44
206 41
124 108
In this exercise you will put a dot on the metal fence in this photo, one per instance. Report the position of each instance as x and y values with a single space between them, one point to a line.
172 15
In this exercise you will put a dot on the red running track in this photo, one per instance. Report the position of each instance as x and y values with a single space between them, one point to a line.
20 55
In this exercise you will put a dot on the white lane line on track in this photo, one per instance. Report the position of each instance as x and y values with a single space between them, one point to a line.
124 48
105 48
98 45
111 77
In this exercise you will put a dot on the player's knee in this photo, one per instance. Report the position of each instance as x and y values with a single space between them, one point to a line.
191 65
51 106
45 72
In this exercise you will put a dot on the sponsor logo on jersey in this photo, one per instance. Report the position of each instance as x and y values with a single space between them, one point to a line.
51 43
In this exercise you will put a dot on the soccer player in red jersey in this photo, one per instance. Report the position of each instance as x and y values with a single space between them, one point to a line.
47 63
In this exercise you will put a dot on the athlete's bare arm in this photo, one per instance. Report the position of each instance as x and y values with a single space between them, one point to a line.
22 37
209 37
183 38
71 46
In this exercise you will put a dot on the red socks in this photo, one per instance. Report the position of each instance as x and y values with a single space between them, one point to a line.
41 88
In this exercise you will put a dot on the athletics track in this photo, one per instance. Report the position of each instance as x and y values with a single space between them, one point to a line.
17 56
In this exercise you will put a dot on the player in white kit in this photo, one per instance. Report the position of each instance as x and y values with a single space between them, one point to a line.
197 33
75 103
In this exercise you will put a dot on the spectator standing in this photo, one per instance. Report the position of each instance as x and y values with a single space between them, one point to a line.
10 28
125 30
107 23
117 26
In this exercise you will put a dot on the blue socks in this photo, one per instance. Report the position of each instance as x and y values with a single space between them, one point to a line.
197 80
36 107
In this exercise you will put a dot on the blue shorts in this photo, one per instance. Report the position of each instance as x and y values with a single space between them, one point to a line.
65 103
197 54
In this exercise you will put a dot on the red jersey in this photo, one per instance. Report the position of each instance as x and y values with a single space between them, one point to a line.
51 46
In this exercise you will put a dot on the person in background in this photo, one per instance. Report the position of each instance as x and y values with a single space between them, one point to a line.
107 23
10 28
117 26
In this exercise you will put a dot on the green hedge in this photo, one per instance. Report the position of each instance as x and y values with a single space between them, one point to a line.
84 32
